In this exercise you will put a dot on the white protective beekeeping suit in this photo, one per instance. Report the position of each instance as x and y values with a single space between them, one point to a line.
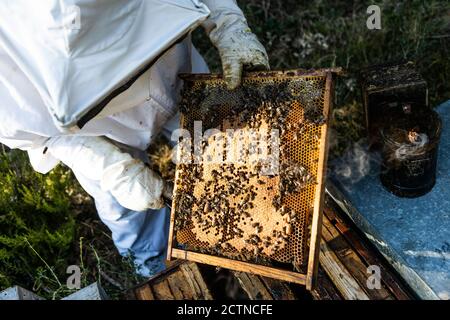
91 82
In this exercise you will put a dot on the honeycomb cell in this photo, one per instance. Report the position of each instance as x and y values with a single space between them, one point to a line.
228 225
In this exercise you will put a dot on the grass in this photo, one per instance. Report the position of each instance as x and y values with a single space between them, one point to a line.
48 222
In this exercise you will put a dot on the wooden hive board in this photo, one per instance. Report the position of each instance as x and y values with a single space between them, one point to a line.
290 238
344 257
181 281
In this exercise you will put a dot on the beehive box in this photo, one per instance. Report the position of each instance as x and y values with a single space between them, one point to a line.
250 174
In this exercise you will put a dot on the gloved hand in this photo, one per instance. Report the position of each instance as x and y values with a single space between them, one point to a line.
238 46
129 180
168 190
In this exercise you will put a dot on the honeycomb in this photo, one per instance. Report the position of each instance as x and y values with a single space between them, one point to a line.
253 208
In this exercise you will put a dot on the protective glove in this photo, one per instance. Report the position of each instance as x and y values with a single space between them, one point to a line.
168 190
129 180
238 46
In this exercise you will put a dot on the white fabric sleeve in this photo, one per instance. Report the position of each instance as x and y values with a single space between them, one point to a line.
129 180
42 161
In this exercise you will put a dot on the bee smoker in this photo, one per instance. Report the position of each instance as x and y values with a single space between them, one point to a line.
409 152
387 87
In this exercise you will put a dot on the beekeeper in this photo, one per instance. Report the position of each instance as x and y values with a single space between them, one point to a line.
90 83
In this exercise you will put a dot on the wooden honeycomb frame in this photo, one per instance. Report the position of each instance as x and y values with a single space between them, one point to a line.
312 229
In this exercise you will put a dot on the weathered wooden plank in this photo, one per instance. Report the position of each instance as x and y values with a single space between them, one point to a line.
325 289
183 281
392 282
92 292
176 287
351 260
18 293
240 266
279 290
196 281
341 277
144 293
253 286
316 223
162 290
178 280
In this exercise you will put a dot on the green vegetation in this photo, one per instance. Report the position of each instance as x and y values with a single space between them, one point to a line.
34 212
48 223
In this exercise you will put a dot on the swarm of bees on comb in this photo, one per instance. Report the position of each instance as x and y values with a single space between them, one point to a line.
254 208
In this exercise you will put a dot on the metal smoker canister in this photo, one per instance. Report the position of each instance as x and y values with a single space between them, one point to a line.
410 151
